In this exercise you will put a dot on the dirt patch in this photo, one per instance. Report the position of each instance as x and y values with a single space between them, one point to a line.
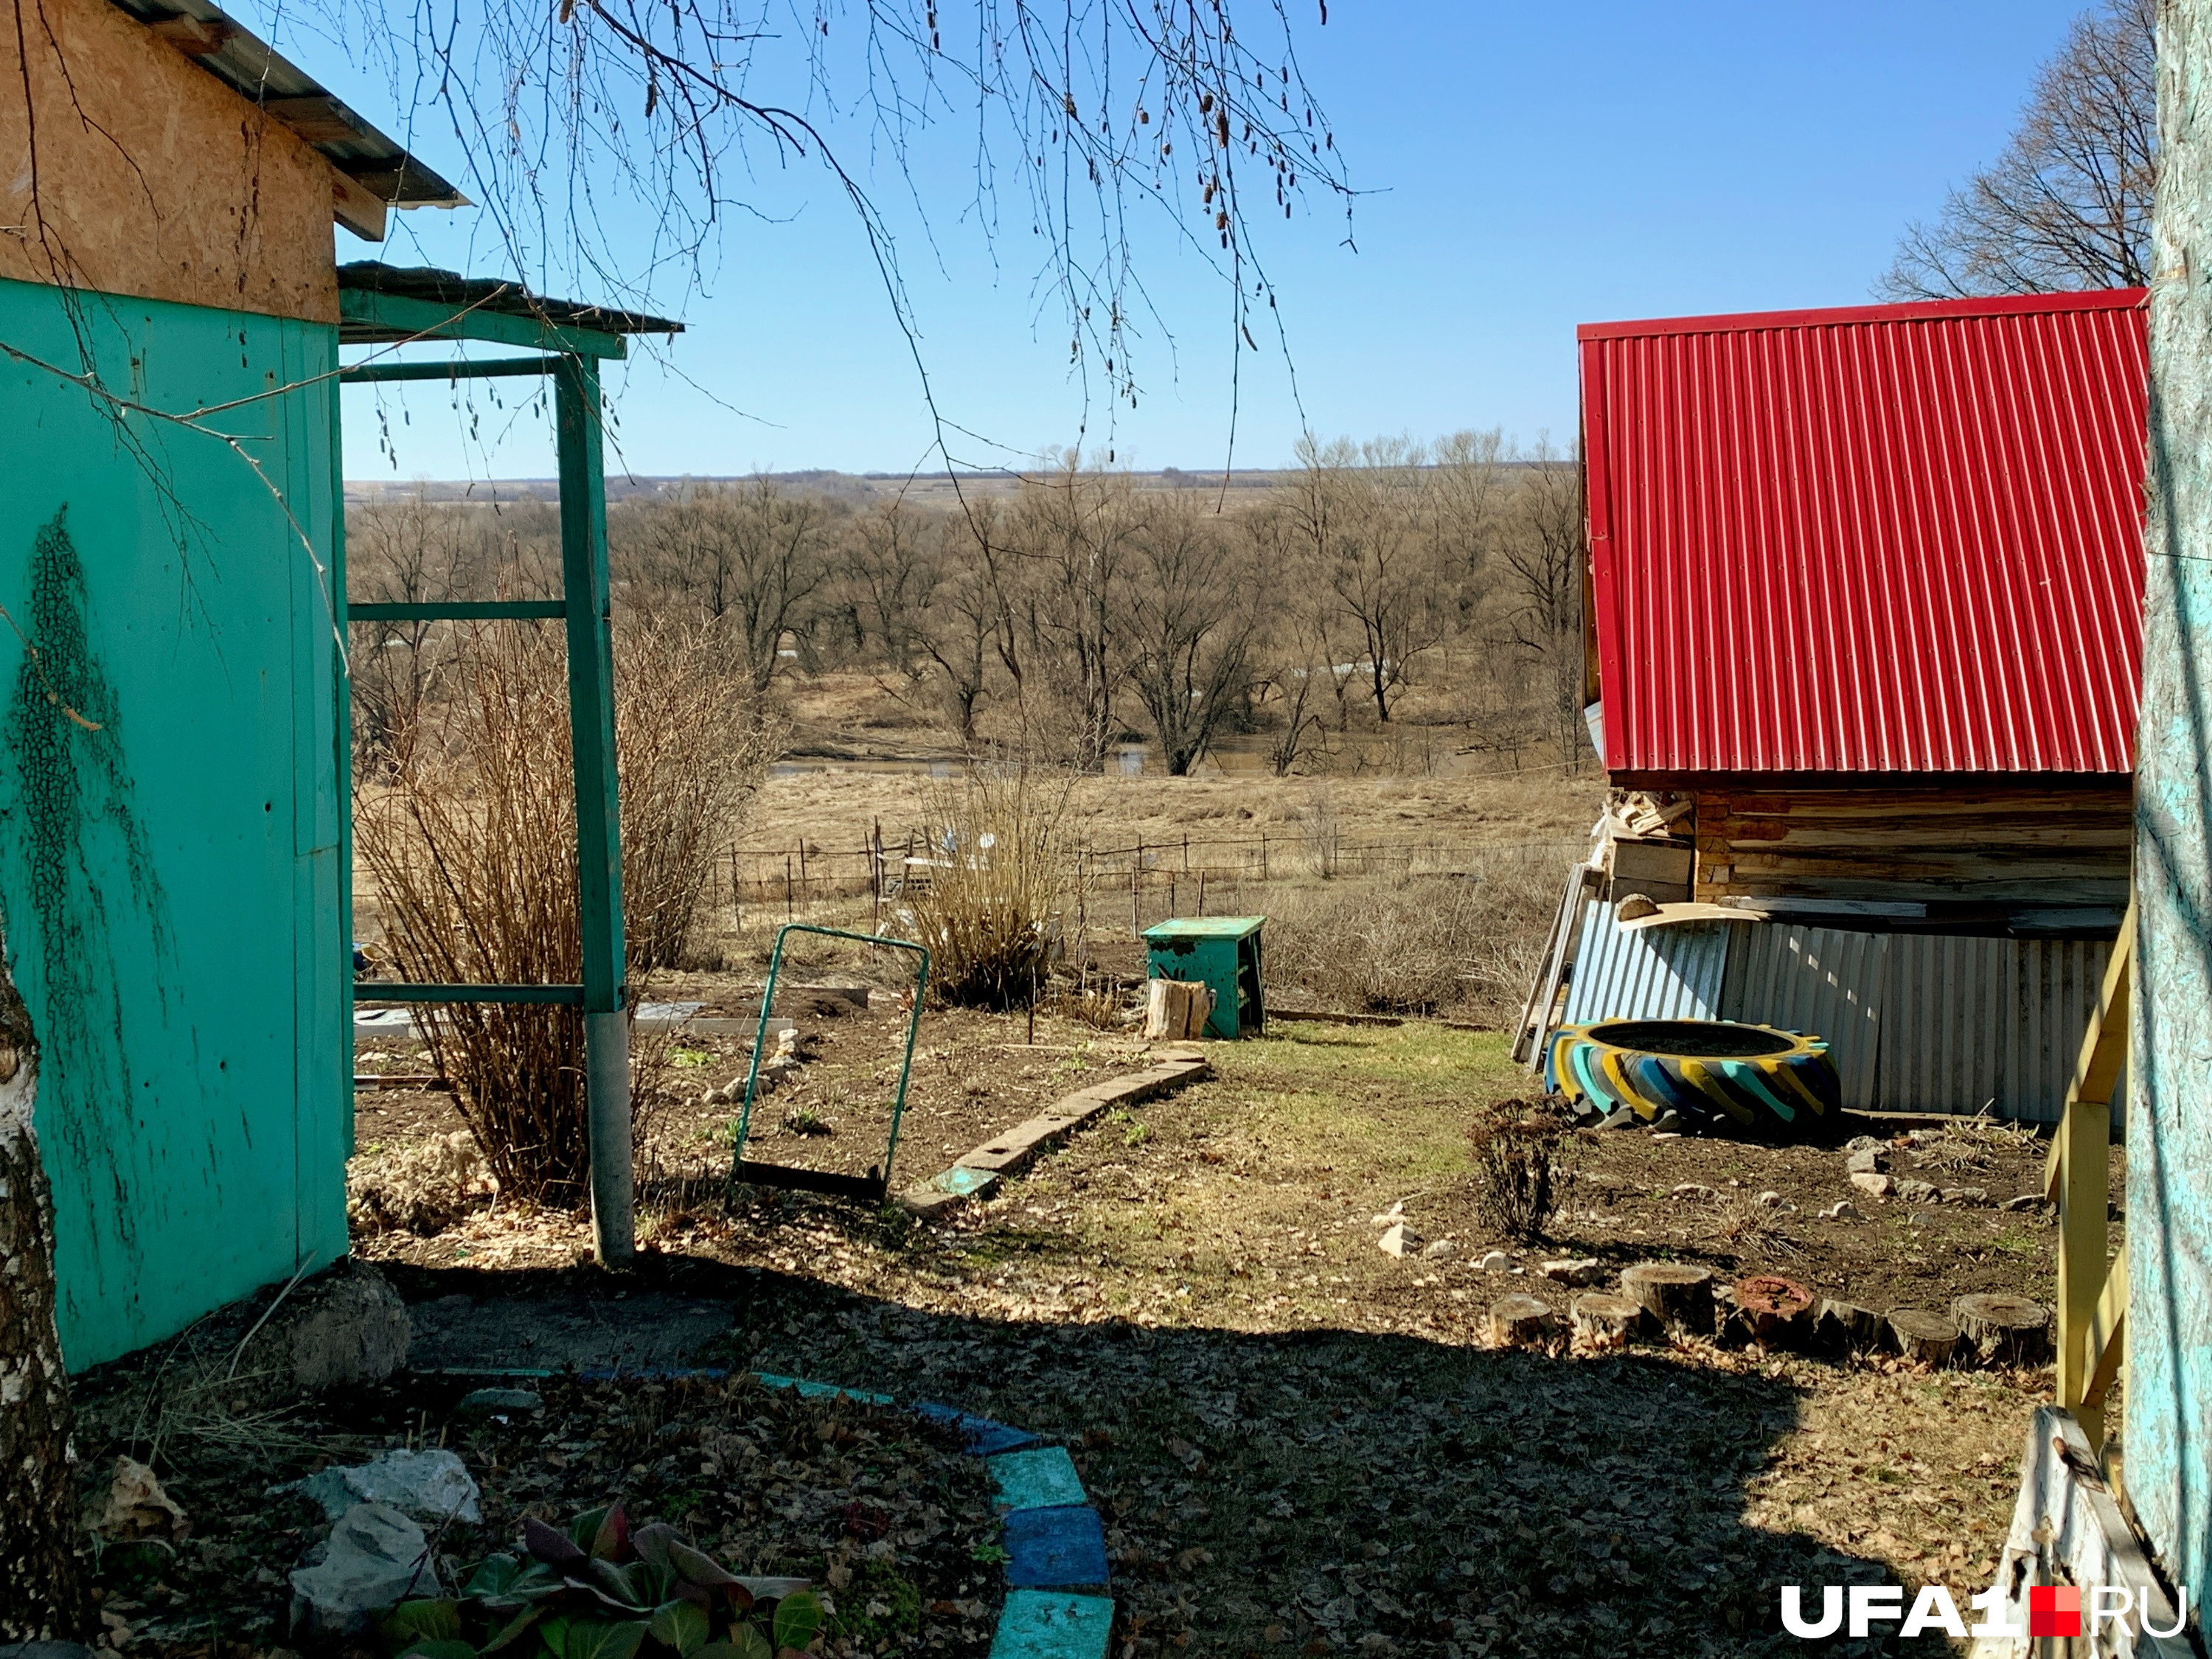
1302 1442
882 1505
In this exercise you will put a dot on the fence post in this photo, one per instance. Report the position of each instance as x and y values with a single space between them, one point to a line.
1136 929
1263 856
786 887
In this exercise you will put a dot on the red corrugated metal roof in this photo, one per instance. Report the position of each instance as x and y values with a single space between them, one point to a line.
1886 538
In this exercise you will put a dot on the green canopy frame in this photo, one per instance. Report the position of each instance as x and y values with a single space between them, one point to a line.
382 305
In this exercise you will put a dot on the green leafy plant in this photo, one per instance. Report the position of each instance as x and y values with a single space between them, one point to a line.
600 1591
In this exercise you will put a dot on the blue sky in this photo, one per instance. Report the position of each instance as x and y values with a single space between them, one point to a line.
1529 168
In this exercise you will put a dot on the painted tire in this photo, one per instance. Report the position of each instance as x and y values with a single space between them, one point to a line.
1717 1072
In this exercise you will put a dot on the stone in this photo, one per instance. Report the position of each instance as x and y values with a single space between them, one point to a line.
1912 1191
45 1651
1622 1117
1965 1195
2025 1201
137 1507
1842 1210
1439 1249
1668 1122
485 1402
1878 1185
431 1486
1581 1270
374 1558
1769 1199
1868 1160
1496 1261
1920 1219
1863 1144
350 1330
1695 1191
1516 1321
1399 1239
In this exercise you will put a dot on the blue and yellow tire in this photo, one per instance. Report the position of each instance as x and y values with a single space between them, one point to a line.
1755 1078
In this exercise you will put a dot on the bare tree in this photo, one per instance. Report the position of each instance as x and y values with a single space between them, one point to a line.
963 625
1358 512
1192 609
894 567
1074 534
751 558
1542 553
2068 204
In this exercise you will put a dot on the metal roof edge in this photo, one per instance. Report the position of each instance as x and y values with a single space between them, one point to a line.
1915 310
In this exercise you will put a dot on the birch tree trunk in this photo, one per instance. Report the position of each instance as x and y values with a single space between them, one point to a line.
45 1590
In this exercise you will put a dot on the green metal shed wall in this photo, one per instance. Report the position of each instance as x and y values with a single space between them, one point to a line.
170 883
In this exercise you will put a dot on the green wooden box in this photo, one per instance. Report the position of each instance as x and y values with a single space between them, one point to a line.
1224 953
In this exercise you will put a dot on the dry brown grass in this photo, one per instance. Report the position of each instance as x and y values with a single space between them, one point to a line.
471 841
1419 944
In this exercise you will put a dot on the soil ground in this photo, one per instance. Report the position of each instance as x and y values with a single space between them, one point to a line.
1305 1443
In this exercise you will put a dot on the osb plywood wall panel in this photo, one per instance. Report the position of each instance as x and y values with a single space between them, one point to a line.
133 172
2060 846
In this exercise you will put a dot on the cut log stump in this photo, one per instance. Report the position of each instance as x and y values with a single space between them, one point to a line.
1606 1318
1176 1010
1675 1295
1929 1337
1776 1311
2004 1330
1848 1327
1518 1321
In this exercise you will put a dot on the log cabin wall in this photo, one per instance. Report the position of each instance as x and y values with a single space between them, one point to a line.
2003 844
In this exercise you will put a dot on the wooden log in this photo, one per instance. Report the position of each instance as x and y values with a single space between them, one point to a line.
1849 1327
1176 1009
1929 1337
1673 1294
1518 1321
2004 1330
1606 1318
1776 1311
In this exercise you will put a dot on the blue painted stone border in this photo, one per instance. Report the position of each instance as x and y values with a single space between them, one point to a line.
1057 1604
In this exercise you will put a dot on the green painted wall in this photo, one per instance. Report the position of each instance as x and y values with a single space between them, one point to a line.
170 883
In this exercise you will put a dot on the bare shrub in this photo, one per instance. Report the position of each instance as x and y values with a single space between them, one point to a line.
1523 1167
1415 944
473 848
990 911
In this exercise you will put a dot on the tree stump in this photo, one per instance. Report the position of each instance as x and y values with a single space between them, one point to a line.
1846 1326
1606 1318
1518 1321
2007 1329
1673 1294
1776 1311
1927 1337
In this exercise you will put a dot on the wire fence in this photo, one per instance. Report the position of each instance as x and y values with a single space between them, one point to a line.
1144 881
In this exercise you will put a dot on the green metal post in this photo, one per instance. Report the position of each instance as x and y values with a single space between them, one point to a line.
599 837
342 762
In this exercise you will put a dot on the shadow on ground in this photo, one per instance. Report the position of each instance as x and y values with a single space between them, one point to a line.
1313 1492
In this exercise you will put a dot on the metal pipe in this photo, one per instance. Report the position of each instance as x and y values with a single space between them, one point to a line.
488 369
606 1079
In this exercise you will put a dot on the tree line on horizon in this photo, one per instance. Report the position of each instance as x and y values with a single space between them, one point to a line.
1376 586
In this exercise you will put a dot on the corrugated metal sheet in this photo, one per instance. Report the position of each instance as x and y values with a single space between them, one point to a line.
1974 1023
1821 982
1916 1021
1652 973
1885 539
